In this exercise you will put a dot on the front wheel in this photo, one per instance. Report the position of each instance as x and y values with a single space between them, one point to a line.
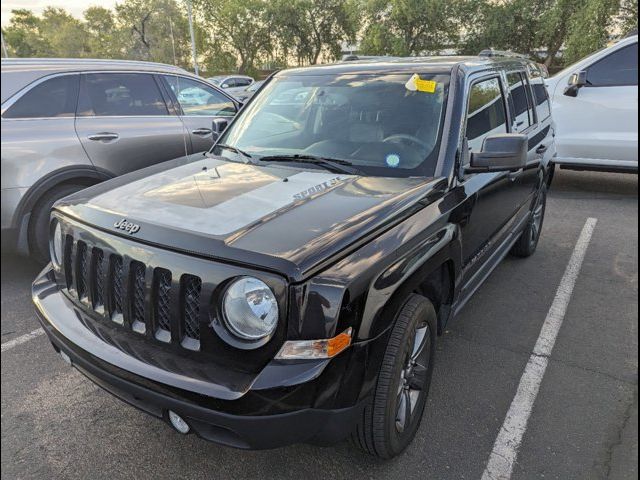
528 241
390 421
39 223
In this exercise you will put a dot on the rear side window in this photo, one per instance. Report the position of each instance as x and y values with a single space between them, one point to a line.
55 97
523 113
120 94
486 113
620 68
242 82
541 97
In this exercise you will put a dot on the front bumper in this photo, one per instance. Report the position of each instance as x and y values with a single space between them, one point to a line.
274 389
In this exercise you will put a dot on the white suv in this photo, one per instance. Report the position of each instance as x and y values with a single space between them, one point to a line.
595 108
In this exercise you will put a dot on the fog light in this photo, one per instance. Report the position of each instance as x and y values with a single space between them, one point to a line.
178 422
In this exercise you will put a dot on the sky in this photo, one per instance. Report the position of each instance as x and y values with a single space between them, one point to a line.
75 7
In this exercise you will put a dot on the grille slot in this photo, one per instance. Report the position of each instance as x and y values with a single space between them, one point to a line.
191 287
68 260
162 313
82 270
137 277
117 291
98 279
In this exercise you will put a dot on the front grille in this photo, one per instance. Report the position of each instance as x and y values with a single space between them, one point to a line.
115 287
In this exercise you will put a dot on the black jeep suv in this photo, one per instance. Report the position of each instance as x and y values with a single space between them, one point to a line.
289 284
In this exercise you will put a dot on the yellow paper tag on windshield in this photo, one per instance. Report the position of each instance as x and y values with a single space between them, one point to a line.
416 84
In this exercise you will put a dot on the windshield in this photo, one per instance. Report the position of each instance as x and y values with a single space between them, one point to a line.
382 124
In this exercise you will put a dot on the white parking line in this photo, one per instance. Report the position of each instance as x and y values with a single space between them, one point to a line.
505 448
21 339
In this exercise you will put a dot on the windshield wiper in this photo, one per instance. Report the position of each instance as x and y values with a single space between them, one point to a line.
332 164
233 149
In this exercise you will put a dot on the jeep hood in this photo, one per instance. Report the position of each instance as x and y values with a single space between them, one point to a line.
273 217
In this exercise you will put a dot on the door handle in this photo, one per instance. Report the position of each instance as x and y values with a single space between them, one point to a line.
541 149
202 131
103 136
514 175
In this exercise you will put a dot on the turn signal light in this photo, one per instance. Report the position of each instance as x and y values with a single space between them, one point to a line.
315 349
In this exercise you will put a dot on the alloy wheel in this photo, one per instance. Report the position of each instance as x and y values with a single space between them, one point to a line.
413 377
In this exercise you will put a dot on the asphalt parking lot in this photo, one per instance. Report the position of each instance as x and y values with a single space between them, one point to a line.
584 423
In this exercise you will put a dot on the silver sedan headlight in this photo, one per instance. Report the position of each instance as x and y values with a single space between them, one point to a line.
56 244
250 309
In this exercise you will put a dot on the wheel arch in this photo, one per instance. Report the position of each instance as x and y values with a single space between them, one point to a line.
435 281
79 174
429 269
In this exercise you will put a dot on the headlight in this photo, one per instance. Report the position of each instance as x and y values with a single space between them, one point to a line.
56 244
250 309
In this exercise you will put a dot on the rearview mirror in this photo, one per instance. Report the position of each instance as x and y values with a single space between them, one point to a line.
575 83
504 152
218 126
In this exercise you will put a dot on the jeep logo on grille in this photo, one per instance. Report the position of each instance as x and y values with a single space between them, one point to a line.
127 226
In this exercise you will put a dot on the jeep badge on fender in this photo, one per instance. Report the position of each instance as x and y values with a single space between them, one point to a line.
127 226
301 270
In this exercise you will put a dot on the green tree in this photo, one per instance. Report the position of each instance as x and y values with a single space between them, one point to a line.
22 35
409 27
238 27
65 34
104 36
628 16
153 30
509 25
589 28
308 29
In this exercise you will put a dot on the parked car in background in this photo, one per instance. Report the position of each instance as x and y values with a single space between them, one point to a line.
290 284
249 91
232 84
595 107
68 124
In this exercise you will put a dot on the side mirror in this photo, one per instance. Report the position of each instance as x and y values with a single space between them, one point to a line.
224 85
218 126
504 152
575 83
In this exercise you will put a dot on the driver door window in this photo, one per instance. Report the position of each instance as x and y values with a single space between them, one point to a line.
200 104
197 98
486 114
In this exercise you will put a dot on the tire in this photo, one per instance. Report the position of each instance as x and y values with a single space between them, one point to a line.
383 429
528 241
39 222
551 175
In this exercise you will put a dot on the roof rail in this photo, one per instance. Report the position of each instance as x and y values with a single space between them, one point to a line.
355 58
490 53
